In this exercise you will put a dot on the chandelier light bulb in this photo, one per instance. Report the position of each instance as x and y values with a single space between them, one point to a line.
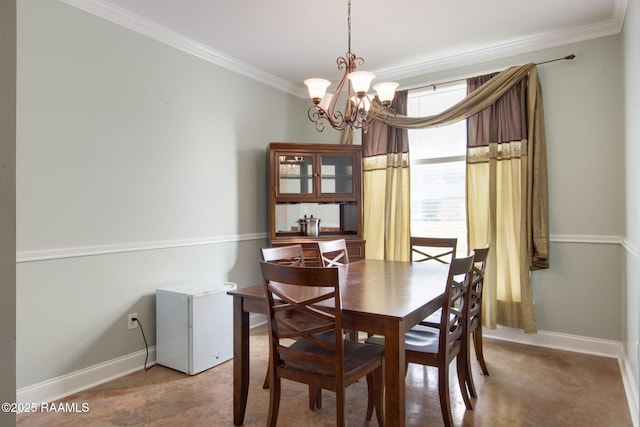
386 91
317 88
360 80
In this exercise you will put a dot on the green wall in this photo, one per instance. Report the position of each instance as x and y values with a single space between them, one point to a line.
7 208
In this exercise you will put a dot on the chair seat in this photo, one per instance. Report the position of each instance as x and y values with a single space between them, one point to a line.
420 338
355 355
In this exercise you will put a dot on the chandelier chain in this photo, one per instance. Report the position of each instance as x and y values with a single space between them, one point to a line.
349 26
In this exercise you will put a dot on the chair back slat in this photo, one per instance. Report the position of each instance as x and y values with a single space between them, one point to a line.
455 305
333 252
477 282
287 255
433 249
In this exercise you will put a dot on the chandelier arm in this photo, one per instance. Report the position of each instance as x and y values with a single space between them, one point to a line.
331 108
320 117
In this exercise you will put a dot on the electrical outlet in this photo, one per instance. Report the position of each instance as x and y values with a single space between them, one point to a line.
132 324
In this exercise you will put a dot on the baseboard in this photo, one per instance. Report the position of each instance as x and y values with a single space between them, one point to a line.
57 388
631 390
578 344
558 341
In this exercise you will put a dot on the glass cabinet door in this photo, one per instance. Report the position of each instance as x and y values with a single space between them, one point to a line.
295 174
336 173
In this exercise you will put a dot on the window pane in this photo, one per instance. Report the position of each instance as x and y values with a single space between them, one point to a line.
438 205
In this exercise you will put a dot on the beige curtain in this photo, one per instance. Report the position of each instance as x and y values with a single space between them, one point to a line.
513 188
496 194
385 165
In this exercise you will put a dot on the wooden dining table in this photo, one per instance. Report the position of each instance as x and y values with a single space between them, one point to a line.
380 297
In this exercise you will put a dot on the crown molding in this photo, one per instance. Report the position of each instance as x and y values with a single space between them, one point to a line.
124 18
514 47
117 15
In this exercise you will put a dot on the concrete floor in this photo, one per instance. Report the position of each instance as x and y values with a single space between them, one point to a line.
527 386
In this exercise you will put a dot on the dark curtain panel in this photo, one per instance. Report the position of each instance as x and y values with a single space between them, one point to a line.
501 122
385 166
382 138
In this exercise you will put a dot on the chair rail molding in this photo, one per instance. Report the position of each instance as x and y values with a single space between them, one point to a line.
82 251
585 238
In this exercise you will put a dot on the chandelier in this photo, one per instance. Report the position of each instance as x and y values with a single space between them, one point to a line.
355 85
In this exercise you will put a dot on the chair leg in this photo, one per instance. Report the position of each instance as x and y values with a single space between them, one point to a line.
378 385
315 398
477 343
265 385
463 378
467 382
445 401
375 391
340 417
274 402
370 396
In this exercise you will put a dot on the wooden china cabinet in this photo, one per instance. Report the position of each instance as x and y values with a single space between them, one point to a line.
322 181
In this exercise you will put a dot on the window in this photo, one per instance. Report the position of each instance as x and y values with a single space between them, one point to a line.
438 205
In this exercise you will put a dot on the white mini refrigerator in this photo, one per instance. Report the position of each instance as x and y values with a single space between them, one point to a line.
194 326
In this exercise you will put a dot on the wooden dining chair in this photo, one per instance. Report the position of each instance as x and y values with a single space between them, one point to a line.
474 331
438 347
435 249
294 256
333 252
306 343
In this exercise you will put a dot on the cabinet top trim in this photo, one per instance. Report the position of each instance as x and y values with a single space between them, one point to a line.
308 146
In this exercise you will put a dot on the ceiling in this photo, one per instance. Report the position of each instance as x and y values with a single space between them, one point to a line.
283 42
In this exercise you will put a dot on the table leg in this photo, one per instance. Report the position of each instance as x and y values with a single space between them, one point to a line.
240 360
394 377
